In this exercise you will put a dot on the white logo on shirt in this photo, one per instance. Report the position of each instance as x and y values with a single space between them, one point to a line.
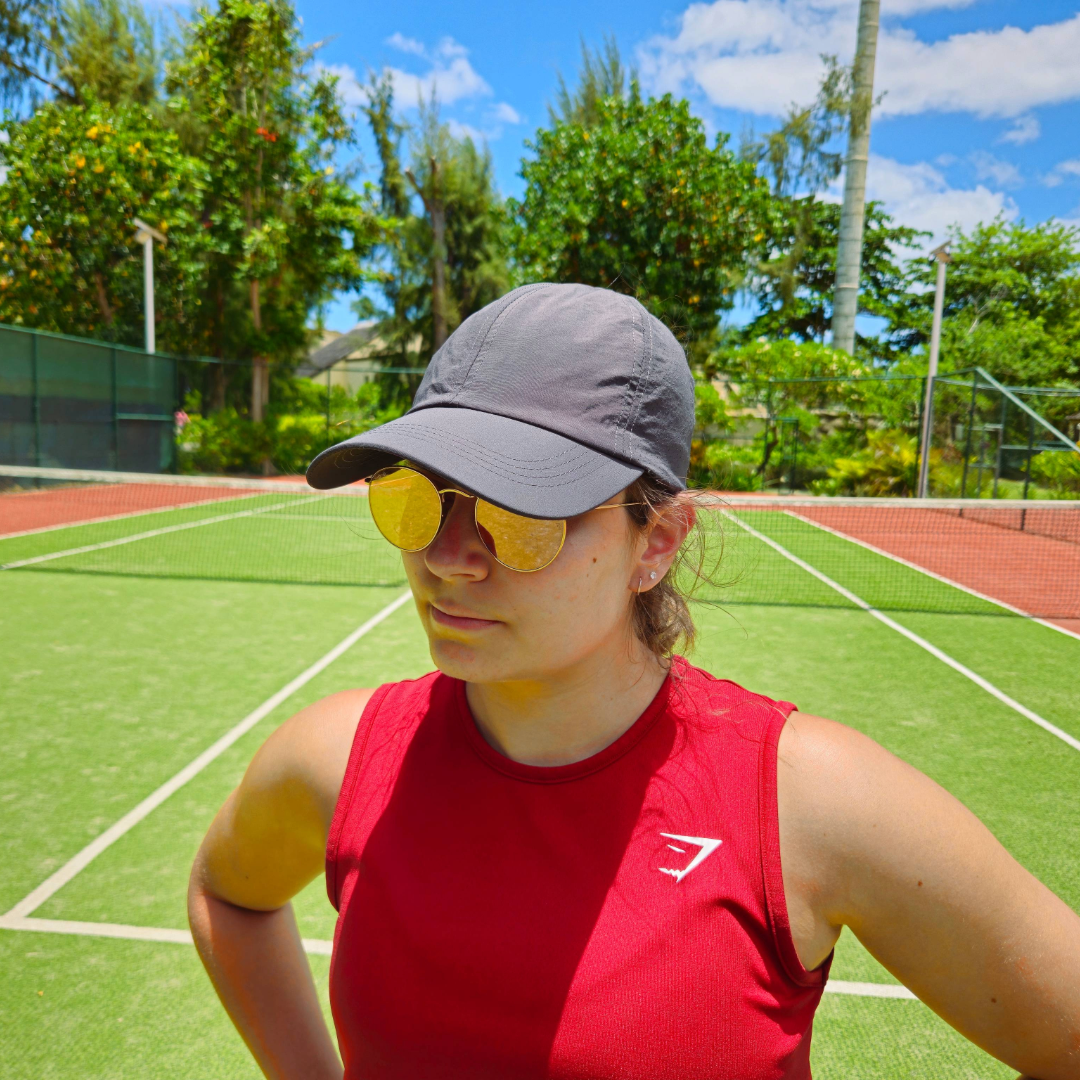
706 845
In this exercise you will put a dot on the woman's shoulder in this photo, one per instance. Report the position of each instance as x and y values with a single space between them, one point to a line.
704 694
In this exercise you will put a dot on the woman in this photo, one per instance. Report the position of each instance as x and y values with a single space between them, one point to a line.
568 853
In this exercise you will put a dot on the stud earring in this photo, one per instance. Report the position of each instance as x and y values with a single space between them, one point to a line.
652 576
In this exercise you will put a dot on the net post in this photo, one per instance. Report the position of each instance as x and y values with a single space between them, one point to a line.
327 406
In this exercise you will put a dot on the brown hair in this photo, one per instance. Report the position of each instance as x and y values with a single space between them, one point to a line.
661 615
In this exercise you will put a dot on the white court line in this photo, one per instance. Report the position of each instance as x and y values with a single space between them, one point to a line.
931 574
151 533
79 862
120 517
319 947
933 650
134 933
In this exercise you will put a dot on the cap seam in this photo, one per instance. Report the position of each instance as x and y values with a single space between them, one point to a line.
525 291
633 386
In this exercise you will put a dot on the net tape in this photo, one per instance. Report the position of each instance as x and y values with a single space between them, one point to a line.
973 556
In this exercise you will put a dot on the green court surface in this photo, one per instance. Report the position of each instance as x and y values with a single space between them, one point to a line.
113 682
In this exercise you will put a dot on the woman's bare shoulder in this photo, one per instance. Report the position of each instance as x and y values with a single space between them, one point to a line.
312 748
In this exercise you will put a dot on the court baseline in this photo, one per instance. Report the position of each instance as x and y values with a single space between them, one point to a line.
933 650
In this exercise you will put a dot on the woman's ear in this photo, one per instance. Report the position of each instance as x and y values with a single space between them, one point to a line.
665 533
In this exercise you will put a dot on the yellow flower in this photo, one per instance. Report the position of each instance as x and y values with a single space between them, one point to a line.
93 132
99 167
80 161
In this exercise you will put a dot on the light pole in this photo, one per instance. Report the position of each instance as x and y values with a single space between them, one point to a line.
146 236
942 257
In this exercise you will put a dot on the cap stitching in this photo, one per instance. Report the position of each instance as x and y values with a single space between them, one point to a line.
526 290
648 358
632 388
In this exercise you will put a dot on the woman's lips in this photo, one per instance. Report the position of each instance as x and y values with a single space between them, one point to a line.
459 622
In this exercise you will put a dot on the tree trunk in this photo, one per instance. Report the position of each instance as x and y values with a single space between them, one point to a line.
438 274
260 374
433 204
853 213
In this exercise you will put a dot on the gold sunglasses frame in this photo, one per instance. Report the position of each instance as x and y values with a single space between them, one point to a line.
476 524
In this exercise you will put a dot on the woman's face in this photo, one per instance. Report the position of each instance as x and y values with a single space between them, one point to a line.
486 623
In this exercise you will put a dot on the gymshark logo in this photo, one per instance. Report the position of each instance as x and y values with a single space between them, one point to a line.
706 846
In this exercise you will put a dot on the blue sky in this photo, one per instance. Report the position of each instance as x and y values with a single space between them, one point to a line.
981 113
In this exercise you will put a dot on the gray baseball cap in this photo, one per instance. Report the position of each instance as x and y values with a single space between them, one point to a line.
547 402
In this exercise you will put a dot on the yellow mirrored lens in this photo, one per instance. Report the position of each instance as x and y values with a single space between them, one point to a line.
406 508
522 543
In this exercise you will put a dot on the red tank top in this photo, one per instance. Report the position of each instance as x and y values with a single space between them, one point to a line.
621 917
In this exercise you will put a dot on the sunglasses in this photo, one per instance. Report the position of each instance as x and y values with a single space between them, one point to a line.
409 510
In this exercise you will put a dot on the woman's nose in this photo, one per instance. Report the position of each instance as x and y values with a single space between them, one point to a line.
457 551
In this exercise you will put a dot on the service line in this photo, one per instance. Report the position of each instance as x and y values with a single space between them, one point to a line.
79 862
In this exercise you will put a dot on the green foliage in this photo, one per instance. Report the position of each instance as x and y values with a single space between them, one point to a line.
458 178
105 50
302 421
602 75
1012 303
77 175
638 201
1058 470
28 33
718 465
794 286
887 465
285 229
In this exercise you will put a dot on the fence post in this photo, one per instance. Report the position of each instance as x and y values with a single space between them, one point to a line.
36 399
327 406
1030 445
115 409
1000 442
967 436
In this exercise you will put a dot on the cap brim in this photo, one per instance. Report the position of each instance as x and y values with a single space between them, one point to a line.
515 465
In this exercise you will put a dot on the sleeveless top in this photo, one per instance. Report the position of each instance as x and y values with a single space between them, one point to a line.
622 917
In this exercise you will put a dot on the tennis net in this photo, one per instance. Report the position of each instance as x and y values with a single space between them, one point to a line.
974 556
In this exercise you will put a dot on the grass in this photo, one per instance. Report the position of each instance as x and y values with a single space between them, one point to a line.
114 682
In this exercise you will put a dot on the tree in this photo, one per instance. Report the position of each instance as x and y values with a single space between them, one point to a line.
105 49
28 31
448 260
602 75
75 51
794 290
285 228
77 176
852 216
1012 303
638 201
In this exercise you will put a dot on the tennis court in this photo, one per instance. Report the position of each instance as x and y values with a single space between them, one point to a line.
153 634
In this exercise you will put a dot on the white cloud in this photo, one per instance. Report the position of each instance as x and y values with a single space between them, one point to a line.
761 55
450 74
918 195
406 44
1003 173
467 131
506 113
1025 129
1062 171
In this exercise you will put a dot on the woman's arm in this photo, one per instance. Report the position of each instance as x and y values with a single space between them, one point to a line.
266 843
870 843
